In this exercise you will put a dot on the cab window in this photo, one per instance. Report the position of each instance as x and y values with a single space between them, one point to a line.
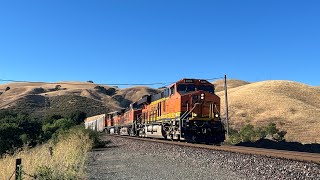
172 89
209 89
186 88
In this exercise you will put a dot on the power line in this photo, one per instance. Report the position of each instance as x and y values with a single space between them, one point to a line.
109 84
106 84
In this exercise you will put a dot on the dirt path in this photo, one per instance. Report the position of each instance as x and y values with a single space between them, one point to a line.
129 159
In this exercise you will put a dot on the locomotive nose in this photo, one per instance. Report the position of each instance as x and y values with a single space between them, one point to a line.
197 97
205 105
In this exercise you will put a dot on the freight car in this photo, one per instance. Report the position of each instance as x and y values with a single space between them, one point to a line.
96 123
186 110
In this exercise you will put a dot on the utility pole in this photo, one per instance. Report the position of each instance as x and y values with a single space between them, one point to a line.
226 98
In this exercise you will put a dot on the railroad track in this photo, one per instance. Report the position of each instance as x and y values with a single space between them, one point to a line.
282 154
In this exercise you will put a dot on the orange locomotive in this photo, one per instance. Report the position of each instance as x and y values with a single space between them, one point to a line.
187 110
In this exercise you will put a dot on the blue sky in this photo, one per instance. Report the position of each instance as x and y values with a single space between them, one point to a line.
143 41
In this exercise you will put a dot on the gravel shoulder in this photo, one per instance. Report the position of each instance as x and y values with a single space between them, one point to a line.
134 159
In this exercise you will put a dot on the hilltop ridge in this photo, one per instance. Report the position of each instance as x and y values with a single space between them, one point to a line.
231 83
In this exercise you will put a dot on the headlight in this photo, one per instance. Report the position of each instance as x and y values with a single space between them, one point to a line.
217 115
202 96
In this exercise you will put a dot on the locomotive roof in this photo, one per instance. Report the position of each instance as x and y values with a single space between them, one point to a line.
114 112
165 92
190 80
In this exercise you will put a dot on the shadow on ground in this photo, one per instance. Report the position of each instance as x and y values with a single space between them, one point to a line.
283 145
104 148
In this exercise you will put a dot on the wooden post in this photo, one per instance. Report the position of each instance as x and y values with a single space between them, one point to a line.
226 99
18 170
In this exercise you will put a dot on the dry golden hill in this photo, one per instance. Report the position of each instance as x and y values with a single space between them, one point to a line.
231 83
62 97
135 93
294 107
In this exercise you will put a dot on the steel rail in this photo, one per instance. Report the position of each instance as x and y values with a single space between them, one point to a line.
281 154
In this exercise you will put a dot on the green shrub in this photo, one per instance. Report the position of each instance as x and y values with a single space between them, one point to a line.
95 136
77 116
271 129
247 133
250 133
44 172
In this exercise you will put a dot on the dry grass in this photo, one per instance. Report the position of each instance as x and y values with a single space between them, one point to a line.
232 83
121 98
135 93
295 108
67 162
19 90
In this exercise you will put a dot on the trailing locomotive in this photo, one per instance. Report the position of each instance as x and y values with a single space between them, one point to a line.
187 110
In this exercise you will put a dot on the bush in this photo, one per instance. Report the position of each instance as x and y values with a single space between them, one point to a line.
77 116
271 129
247 133
44 172
51 130
9 138
109 92
57 87
17 130
250 133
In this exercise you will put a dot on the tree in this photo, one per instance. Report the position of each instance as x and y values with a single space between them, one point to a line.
90 81
77 116
280 136
51 118
111 91
9 137
57 87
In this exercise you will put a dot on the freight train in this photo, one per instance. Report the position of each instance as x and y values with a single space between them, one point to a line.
187 110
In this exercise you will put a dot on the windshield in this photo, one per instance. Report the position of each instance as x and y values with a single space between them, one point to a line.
183 88
186 87
209 89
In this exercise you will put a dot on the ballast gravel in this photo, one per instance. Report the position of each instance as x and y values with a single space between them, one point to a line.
135 159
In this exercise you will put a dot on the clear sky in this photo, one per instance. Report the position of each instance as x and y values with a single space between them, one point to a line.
146 41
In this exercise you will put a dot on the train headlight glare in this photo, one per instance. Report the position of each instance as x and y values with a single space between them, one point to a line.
217 115
202 96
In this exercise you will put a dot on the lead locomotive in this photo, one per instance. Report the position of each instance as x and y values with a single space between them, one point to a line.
186 110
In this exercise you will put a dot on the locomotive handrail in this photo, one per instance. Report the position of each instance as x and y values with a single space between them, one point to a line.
188 112
182 117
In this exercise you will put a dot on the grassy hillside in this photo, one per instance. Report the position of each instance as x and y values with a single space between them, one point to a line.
40 99
295 107
231 83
